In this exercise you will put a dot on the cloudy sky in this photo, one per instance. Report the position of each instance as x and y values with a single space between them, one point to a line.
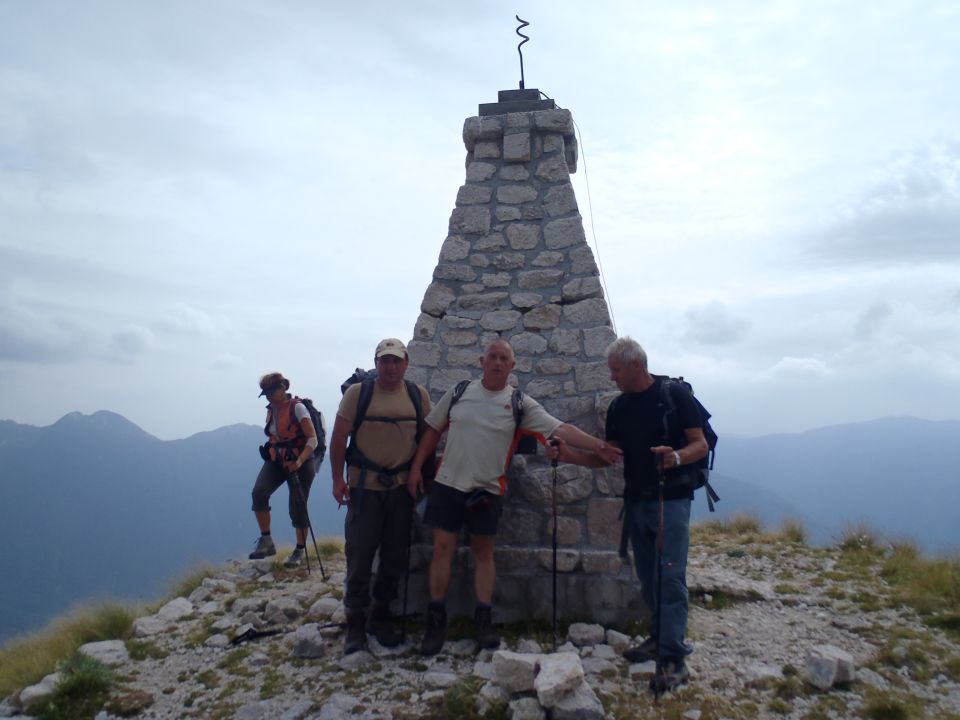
194 193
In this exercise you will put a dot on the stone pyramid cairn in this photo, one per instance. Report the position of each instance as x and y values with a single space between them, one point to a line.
516 265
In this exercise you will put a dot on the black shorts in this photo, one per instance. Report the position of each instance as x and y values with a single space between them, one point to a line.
450 509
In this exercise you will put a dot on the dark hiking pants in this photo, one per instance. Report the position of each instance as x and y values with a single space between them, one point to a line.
271 477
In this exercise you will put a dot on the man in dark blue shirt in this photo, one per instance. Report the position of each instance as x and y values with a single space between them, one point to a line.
654 448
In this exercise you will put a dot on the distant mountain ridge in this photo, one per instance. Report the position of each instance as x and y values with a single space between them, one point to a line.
97 507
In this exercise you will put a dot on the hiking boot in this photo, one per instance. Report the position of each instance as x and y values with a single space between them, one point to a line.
483 624
381 627
671 675
436 631
264 548
356 639
647 650
296 558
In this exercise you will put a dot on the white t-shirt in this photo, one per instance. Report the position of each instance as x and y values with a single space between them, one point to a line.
480 439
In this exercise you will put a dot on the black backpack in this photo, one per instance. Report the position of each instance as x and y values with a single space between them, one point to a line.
526 445
319 426
704 465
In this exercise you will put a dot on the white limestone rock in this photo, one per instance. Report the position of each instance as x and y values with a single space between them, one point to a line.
282 610
828 665
581 704
108 652
436 679
515 672
526 709
34 694
149 625
490 695
560 674
176 609
217 641
308 642
582 634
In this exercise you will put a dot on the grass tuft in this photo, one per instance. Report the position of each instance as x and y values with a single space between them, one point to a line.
83 689
191 581
793 531
26 661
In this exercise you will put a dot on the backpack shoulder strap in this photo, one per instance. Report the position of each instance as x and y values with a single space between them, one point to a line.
363 403
516 402
458 392
670 407
414 392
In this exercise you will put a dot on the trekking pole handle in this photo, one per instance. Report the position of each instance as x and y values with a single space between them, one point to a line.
554 442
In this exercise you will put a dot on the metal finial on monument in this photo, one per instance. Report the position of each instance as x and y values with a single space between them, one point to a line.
523 24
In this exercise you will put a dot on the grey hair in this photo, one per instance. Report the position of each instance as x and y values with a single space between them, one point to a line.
627 350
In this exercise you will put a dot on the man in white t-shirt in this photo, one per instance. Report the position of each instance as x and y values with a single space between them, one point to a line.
471 480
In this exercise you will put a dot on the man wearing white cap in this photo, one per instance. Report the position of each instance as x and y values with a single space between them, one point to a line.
383 418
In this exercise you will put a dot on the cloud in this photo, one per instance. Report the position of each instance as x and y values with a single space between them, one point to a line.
794 368
713 324
130 341
871 319
909 213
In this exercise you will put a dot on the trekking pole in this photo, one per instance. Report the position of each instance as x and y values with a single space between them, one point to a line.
555 443
303 504
406 579
657 683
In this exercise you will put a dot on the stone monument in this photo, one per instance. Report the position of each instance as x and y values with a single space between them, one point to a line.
516 265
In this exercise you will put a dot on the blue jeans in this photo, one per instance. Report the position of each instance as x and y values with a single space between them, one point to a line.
668 619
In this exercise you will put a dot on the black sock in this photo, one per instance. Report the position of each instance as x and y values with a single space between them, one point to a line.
437 605
484 606
265 534
301 547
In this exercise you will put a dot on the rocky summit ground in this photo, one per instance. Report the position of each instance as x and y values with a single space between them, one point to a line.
780 631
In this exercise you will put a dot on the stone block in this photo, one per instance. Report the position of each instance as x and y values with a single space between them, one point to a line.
443 380
553 169
525 300
545 317
474 195
519 527
483 301
424 354
437 299
425 327
560 674
509 559
593 376
490 243
602 562
515 672
516 194
515 173
553 366
548 258
508 213
508 260
459 337
541 388
454 248
568 530
571 153
560 200
516 147
283 609
481 128
455 322
568 409
500 320
480 171
471 220
486 150
518 120
527 342
553 121
573 483
496 280
463 357
565 342
584 634
567 559
531 211
532 279
597 340
523 236
479 260
553 142
603 522
581 288
454 271
581 261
592 311
563 233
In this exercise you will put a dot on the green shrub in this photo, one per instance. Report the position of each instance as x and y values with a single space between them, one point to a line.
83 689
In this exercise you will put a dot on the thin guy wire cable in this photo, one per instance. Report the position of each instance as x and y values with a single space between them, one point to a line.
593 230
